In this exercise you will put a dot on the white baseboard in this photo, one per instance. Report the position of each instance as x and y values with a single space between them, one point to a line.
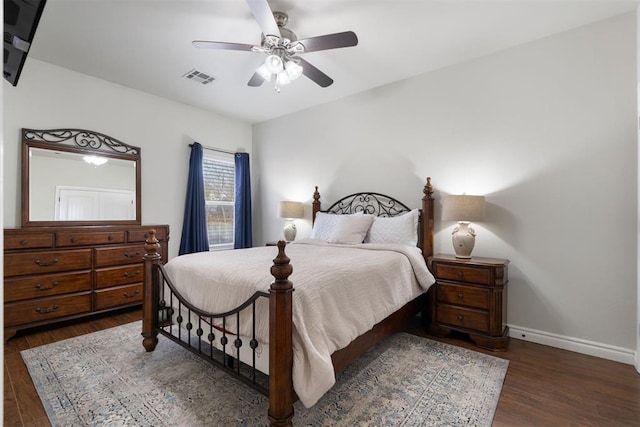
605 351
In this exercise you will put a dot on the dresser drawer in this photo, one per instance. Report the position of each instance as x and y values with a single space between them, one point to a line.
45 285
143 234
28 241
115 297
463 317
463 295
462 273
79 238
132 254
115 276
16 264
45 309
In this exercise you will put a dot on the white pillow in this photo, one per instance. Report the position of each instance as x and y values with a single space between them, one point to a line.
345 229
397 229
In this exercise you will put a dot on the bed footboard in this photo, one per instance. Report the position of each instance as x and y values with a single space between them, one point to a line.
166 312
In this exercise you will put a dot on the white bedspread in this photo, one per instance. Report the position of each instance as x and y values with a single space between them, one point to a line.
341 291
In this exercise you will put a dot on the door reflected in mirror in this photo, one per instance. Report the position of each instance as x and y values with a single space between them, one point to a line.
67 186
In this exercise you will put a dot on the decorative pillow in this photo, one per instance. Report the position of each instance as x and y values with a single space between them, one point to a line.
397 229
345 229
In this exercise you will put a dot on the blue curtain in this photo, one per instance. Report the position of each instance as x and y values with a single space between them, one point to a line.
242 215
194 227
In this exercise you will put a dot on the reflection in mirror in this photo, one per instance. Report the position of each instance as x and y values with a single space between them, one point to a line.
105 192
78 177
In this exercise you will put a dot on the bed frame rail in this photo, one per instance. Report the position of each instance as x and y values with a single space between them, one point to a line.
187 325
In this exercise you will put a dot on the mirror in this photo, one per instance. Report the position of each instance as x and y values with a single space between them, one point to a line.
78 177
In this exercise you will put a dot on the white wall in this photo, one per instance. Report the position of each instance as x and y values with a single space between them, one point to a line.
49 97
637 360
547 131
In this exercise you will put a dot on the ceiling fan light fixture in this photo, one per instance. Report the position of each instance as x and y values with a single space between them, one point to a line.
95 160
273 64
283 78
293 70
263 72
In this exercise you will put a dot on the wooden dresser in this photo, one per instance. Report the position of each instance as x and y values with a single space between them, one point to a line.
470 296
59 273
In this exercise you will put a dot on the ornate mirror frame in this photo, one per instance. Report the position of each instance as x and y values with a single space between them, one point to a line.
83 142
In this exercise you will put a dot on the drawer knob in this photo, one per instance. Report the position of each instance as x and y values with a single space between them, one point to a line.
134 274
110 238
46 264
460 296
23 242
460 317
45 287
460 274
46 310
132 294
74 239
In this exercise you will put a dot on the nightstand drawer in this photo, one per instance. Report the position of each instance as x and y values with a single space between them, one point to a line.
463 318
463 273
463 295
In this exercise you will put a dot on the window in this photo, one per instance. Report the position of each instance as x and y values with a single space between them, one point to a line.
219 195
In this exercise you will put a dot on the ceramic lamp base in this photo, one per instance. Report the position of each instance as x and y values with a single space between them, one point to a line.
464 239
289 231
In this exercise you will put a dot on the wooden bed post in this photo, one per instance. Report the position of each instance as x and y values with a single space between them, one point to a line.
315 205
281 341
149 303
427 220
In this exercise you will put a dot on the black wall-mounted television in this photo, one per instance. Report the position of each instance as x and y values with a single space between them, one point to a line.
21 19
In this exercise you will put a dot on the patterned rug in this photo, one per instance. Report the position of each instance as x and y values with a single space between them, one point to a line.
106 378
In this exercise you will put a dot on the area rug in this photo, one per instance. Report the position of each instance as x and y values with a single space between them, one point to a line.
106 378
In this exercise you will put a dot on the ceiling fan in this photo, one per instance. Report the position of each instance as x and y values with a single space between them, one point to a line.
283 48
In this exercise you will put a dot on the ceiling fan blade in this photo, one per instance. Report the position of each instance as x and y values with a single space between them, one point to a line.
330 41
204 44
263 14
255 80
314 74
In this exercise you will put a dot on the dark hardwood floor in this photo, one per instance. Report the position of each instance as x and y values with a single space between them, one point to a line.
544 386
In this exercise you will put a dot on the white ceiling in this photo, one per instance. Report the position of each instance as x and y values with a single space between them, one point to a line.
146 44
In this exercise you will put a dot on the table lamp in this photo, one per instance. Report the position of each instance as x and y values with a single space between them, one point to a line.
464 209
290 211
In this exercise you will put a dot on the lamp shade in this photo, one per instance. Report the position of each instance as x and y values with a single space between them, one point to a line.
290 210
463 208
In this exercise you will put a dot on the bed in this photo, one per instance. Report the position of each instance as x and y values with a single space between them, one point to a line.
306 337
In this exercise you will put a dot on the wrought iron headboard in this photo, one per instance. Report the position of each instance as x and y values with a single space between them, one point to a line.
368 203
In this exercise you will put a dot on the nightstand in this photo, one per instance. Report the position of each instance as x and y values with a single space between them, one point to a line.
470 296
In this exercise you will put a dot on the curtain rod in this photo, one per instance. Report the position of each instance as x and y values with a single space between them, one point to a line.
215 149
